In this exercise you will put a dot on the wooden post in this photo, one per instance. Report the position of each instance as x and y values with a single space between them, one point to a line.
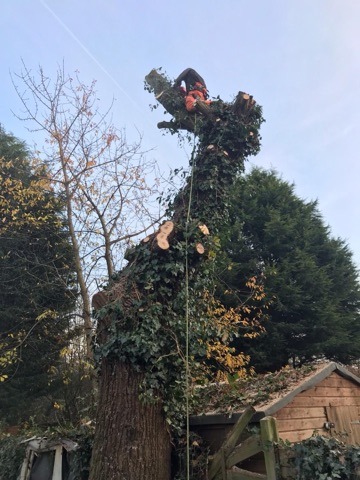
230 441
57 471
223 464
249 447
240 474
27 463
269 434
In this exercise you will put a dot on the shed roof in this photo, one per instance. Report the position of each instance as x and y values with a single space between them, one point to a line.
268 393
44 444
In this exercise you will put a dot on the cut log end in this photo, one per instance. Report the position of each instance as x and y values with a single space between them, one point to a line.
199 247
243 103
167 227
204 229
161 241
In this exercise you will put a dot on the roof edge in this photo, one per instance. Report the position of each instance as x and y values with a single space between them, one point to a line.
228 419
310 383
222 418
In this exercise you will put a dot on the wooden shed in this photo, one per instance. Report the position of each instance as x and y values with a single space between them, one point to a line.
322 398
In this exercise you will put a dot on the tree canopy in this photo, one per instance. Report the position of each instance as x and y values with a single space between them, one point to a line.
309 275
36 276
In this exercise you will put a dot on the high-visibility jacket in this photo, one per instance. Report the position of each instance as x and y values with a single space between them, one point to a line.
192 97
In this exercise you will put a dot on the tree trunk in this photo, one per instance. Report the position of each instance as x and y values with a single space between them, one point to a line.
84 293
130 436
132 441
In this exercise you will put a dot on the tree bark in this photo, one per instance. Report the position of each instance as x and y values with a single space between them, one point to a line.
131 436
85 297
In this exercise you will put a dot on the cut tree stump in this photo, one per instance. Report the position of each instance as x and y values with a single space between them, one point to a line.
243 103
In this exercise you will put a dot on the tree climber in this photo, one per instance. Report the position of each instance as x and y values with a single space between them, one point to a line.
195 88
190 77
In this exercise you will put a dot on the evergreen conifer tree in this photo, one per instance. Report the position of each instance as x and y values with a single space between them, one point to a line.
37 292
310 275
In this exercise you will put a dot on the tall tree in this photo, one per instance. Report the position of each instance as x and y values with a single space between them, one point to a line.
105 181
37 291
309 274
154 320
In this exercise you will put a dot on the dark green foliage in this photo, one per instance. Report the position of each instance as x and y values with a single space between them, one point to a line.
35 276
218 158
158 290
80 458
321 458
151 333
199 458
309 275
11 457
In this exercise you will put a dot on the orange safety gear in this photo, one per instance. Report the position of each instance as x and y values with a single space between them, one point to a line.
190 77
201 88
195 88
192 97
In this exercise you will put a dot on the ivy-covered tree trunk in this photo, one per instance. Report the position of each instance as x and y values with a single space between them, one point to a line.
153 319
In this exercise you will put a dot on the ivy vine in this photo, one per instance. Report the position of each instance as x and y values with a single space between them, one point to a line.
146 322
322 458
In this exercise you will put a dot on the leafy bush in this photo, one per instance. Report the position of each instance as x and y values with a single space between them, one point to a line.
321 458
11 457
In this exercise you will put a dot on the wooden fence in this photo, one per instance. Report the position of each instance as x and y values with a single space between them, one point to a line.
223 465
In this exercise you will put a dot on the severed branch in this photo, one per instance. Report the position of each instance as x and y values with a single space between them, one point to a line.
173 101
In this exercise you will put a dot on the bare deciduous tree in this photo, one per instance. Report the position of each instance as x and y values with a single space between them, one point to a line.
107 183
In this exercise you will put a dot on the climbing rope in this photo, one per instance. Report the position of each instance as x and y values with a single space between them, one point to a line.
187 320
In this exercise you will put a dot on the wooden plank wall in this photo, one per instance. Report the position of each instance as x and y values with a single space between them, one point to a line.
307 411
345 423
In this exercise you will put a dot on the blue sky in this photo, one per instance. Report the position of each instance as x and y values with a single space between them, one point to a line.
299 58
